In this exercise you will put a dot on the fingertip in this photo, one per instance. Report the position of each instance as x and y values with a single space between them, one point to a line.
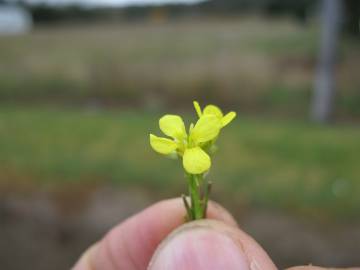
210 244
199 249
218 212
86 260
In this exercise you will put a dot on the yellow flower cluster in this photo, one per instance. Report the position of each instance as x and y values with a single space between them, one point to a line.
190 146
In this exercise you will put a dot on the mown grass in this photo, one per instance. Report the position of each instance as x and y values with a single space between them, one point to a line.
283 165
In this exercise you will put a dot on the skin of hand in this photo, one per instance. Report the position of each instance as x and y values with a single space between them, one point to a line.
158 239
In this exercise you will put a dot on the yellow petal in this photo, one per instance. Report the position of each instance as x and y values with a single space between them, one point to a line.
162 145
197 108
206 129
214 110
228 118
173 126
196 161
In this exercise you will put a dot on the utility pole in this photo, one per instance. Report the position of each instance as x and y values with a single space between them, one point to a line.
324 92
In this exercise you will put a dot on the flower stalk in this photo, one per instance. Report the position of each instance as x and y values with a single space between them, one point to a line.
197 203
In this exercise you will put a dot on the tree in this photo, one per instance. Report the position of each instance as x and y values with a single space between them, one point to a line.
352 17
324 92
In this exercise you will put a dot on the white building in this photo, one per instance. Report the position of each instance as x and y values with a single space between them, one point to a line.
14 20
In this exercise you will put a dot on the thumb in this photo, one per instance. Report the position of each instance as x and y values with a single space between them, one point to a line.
209 245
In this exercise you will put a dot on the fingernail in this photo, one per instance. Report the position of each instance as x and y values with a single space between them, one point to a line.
199 249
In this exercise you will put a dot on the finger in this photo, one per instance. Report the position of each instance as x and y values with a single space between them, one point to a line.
210 245
311 267
131 244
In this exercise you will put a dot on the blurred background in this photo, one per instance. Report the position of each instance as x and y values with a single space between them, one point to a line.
83 82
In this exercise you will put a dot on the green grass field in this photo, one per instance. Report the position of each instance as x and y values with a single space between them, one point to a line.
294 166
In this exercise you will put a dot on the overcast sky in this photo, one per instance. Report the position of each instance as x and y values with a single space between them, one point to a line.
111 2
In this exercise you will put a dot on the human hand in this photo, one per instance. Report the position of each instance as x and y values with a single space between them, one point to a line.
157 239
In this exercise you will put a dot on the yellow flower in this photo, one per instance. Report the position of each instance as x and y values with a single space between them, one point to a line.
195 159
216 111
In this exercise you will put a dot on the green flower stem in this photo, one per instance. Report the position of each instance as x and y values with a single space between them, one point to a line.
197 205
